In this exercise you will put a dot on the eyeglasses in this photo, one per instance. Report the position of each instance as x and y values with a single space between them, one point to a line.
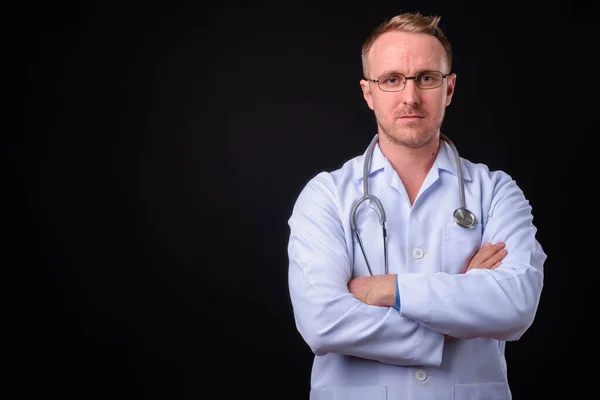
397 82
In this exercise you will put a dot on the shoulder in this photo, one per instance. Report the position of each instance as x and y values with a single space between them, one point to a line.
335 180
494 185
483 174
329 185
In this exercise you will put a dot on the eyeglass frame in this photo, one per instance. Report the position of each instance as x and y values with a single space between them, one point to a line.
407 78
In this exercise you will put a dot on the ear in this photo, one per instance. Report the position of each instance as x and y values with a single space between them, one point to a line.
450 88
366 89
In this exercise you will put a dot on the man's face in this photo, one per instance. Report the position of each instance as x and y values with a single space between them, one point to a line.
413 116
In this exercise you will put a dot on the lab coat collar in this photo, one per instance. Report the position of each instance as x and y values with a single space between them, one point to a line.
444 161
378 162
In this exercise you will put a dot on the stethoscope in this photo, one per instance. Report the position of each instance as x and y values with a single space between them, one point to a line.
462 216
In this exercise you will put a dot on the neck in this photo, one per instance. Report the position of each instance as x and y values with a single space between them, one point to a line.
408 161
411 164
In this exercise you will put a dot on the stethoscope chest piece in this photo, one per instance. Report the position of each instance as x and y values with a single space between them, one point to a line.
464 218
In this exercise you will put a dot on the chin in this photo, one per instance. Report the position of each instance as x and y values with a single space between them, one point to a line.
412 138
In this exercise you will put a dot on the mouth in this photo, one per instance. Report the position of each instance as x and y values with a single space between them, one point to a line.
411 117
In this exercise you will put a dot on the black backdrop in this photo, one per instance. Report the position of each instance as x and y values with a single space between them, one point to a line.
160 147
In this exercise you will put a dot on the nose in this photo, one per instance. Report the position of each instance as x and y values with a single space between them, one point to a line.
411 94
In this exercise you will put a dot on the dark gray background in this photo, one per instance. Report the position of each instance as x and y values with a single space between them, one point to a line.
160 147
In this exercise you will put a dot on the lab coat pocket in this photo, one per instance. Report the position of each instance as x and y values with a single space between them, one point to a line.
459 245
350 393
481 391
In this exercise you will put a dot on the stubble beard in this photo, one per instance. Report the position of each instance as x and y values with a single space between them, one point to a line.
413 135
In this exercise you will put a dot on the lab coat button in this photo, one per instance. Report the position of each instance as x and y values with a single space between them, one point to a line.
418 253
421 375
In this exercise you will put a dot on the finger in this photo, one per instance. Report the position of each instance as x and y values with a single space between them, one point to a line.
493 267
489 262
482 255
499 256
490 250
487 256
494 259
490 246
487 252
483 250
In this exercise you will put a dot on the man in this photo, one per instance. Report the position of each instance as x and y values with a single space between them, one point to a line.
412 292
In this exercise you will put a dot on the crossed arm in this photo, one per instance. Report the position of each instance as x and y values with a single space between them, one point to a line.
380 290
337 314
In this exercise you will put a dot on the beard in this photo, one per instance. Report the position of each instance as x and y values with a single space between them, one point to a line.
412 135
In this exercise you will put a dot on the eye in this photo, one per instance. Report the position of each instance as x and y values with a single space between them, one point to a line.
429 78
425 77
392 80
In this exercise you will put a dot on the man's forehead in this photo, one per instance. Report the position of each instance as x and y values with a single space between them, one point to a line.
396 50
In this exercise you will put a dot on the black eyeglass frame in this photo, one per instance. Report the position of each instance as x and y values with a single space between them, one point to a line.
407 78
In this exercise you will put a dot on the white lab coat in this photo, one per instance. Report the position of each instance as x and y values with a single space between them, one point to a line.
374 353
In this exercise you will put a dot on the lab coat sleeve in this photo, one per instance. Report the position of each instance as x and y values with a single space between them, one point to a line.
328 317
499 304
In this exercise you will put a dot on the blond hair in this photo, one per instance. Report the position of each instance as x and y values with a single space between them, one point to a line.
408 22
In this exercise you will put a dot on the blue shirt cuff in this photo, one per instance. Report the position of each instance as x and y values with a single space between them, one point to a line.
397 305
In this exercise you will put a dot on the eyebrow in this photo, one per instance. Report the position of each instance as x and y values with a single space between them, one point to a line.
401 73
